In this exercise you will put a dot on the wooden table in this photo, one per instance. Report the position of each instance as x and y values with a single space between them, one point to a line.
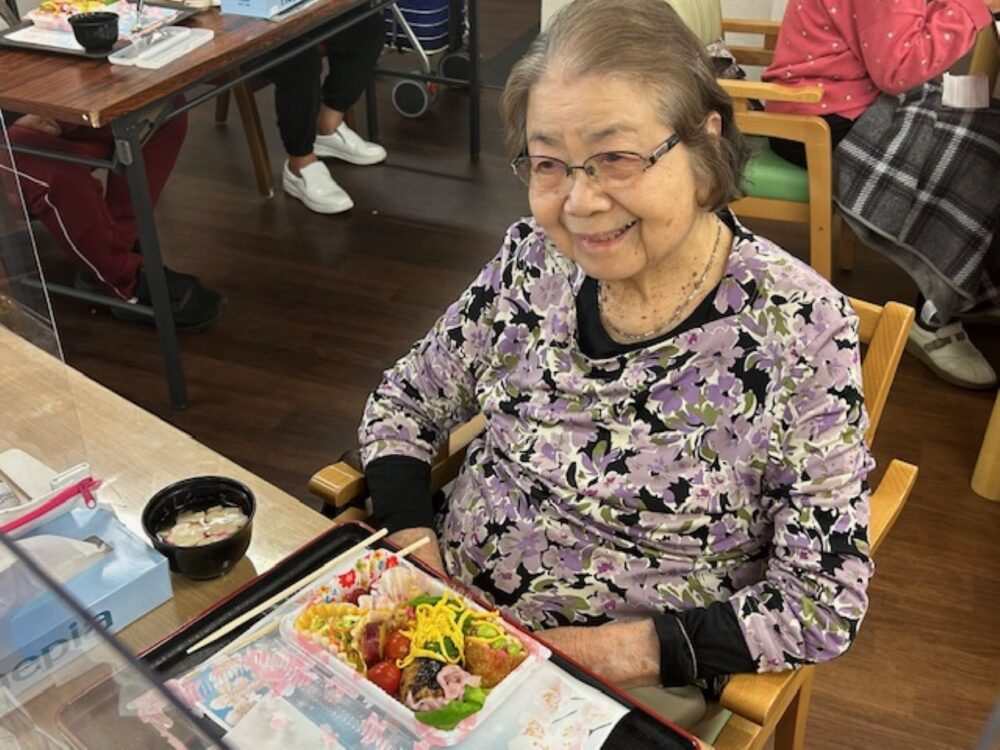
95 93
63 418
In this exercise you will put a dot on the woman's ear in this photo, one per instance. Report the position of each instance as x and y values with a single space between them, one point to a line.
713 124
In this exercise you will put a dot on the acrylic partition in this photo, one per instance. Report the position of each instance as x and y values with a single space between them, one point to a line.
41 443
83 690
24 305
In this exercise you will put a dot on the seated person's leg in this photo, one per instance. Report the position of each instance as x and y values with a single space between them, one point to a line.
297 102
353 55
160 154
795 152
99 234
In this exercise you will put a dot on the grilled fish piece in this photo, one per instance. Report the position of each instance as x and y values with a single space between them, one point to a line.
421 677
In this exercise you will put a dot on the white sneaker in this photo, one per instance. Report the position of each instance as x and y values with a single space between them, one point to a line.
344 143
316 188
952 357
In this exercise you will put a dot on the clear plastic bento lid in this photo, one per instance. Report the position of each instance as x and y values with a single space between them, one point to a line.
74 685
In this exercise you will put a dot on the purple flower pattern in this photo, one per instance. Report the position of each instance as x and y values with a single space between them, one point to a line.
724 463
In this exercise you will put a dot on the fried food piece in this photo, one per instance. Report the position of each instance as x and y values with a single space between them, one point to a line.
491 663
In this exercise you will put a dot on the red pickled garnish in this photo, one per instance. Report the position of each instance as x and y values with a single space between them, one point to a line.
352 596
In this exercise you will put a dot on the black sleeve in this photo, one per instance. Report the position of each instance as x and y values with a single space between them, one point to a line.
400 491
701 643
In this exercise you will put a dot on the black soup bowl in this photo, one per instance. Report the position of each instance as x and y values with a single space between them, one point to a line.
200 493
96 32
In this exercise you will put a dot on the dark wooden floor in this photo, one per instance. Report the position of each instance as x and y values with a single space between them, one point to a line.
319 306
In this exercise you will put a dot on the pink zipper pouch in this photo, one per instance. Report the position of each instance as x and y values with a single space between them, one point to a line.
21 519
42 494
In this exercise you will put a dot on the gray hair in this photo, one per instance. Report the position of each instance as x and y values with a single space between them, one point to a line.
646 42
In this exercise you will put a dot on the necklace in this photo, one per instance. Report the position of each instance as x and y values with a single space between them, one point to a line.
631 338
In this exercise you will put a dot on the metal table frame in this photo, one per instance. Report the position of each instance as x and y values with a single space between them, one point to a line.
128 133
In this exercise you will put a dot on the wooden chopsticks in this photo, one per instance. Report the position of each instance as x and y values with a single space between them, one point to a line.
290 591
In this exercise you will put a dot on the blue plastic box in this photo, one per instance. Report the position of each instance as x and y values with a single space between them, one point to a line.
132 579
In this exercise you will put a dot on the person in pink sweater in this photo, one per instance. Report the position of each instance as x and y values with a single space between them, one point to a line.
887 55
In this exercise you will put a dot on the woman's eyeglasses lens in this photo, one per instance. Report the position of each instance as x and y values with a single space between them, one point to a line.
612 169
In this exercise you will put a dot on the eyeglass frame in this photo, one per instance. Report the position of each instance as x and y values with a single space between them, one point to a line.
648 161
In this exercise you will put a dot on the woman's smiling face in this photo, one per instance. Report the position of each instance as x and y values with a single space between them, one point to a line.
618 235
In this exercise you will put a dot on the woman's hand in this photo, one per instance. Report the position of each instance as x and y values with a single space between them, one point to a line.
626 654
429 554
40 124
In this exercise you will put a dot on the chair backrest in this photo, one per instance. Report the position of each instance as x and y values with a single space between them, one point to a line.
884 331
986 55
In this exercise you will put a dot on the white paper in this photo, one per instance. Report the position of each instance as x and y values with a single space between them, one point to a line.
45 37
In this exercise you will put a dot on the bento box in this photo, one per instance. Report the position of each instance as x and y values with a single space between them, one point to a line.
421 653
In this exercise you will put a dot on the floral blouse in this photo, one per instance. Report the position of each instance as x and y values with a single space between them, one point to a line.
723 462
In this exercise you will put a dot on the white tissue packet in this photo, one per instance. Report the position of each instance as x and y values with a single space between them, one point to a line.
966 92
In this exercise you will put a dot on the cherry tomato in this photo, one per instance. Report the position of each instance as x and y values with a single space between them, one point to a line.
386 675
397 646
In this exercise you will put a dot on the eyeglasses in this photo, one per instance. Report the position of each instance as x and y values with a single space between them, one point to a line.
610 169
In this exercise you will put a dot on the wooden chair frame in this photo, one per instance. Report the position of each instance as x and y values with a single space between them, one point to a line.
811 131
762 704
250 116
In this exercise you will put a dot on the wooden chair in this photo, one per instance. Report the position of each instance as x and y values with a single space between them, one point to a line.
762 704
986 56
775 188
250 116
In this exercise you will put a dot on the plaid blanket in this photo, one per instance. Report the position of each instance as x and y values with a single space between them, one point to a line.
921 184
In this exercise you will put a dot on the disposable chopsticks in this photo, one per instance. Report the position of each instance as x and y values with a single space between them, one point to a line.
289 591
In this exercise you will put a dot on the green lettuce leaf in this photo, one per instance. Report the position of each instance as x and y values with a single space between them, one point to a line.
449 715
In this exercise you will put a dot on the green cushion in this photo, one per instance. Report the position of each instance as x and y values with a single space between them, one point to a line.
769 176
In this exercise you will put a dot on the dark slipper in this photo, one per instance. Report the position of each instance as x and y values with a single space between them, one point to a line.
195 308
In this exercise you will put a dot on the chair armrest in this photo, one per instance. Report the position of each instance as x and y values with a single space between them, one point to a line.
772 92
888 500
763 698
339 484
343 483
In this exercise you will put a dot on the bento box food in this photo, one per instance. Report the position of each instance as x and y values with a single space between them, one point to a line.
426 656
54 14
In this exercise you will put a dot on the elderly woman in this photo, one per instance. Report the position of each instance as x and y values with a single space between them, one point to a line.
671 483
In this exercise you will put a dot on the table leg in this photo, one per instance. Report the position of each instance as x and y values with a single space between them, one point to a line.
129 150
371 110
473 10
986 476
